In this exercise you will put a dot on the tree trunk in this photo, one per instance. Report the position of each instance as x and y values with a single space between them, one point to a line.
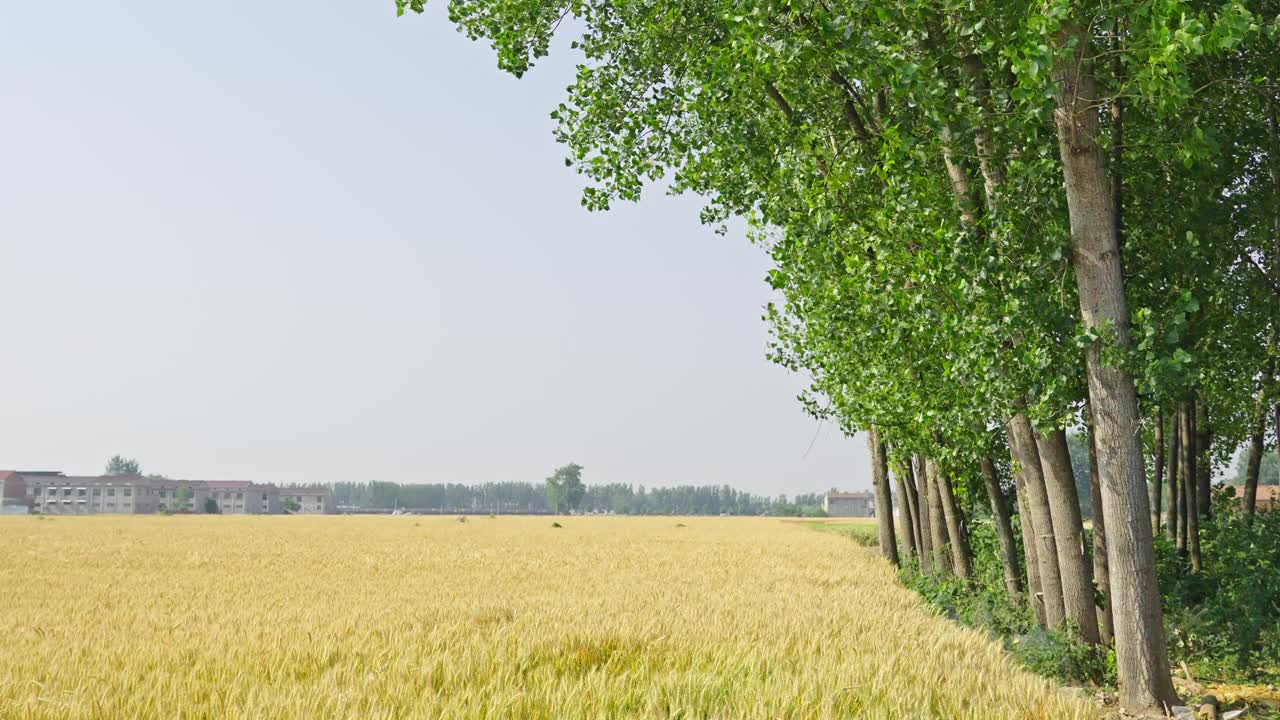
937 525
905 523
1042 537
1157 456
961 558
913 504
1204 465
1182 486
1068 531
959 182
924 500
1004 530
1142 660
1189 490
1175 452
884 497
1257 432
1101 571
1029 549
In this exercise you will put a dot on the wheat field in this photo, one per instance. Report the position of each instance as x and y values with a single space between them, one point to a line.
415 617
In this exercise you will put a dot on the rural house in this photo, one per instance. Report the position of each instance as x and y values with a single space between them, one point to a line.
1268 497
849 504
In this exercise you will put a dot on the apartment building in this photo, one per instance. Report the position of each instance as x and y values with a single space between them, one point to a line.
235 497
52 493
57 494
308 500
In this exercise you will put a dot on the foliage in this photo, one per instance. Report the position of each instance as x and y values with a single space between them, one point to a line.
617 498
121 465
1268 471
565 489
290 505
983 603
1225 620
862 533
369 617
211 506
1078 445
182 497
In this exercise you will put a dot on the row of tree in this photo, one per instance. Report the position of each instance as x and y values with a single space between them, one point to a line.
616 498
563 491
989 222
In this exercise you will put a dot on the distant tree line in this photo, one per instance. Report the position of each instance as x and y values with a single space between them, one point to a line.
619 498
562 492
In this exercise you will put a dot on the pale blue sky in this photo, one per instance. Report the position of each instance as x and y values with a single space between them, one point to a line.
308 241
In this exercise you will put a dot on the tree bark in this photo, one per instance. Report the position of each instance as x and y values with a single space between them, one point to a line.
960 187
1101 571
1182 487
1068 531
907 546
884 496
961 558
992 172
1042 536
1187 417
913 504
1142 660
1204 465
1172 514
1004 529
927 560
937 525
1029 550
1257 433
1157 456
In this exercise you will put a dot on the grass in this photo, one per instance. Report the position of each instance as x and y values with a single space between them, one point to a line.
863 531
380 617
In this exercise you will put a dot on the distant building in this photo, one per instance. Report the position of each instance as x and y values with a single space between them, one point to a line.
236 497
309 500
52 493
849 504
57 494
1268 497
13 494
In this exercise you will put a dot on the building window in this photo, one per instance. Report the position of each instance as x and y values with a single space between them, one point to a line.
111 492
239 496
82 492
97 492
128 492
66 492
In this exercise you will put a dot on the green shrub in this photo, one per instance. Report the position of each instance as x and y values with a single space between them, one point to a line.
984 604
1225 620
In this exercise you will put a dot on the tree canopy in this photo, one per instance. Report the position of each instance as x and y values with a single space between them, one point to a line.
121 465
565 488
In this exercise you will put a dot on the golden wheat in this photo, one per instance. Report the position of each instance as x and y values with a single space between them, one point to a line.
395 617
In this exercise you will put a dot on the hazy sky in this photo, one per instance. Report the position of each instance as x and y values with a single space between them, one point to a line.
308 241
